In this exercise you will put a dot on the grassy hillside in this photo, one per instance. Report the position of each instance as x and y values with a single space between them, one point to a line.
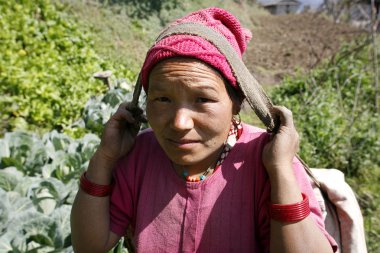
281 45
125 37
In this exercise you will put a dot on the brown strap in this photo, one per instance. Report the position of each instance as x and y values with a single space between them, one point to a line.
137 92
309 172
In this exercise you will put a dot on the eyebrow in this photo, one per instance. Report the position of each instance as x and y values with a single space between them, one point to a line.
162 87
206 87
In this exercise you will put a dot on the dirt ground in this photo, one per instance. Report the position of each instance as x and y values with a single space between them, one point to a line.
283 44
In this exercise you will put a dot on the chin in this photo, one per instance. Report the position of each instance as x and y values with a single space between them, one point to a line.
186 159
189 156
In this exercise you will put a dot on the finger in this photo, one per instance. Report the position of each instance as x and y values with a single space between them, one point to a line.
137 112
131 107
124 115
286 116
143 118
125 105
271 136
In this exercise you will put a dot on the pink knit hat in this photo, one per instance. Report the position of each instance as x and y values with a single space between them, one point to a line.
196 47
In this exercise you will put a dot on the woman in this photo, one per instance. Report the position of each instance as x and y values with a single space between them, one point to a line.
199 180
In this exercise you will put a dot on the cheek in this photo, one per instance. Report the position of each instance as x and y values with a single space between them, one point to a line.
218 120
212 120
153 115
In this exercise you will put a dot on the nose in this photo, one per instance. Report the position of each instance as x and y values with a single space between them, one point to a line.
182 119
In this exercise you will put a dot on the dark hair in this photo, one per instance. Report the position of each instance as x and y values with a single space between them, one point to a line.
236 96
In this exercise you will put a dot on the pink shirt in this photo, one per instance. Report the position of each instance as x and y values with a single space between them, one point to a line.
227 212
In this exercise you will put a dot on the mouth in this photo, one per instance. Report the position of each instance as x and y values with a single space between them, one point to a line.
183 143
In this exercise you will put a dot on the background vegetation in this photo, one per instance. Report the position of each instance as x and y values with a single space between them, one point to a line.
50 51
335 112
46 65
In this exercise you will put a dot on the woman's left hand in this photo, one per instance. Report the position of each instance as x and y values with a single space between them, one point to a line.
279 152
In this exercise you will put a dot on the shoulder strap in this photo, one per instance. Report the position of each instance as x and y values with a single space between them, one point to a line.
137 92
309 172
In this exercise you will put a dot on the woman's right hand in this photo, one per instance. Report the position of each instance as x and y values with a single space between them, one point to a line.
120 132
90 218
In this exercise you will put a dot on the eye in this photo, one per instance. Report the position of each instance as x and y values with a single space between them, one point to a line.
162 99
203 100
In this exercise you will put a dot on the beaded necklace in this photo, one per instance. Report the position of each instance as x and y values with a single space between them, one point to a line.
233 135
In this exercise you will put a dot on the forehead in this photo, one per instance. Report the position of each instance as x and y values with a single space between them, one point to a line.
190 72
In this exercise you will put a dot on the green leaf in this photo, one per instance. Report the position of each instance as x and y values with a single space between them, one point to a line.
4 149
9 178
61 216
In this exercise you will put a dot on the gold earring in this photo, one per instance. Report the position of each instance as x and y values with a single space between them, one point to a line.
236 119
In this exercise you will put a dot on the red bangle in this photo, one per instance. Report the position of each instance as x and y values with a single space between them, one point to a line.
93 189
291 212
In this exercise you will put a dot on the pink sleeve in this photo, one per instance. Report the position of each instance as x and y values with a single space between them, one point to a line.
121 202
128 173
263 218
315 209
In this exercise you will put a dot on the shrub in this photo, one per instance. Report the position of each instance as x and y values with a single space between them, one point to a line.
45 68
334 110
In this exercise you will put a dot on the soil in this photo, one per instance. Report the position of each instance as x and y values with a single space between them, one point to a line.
282 45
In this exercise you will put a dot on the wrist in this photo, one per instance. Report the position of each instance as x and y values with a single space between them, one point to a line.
93 189
292 212
100 169
284 187
103 155
280 171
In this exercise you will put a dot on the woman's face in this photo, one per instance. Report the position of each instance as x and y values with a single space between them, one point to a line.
190 111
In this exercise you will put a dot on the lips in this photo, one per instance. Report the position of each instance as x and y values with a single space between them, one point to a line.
183 143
